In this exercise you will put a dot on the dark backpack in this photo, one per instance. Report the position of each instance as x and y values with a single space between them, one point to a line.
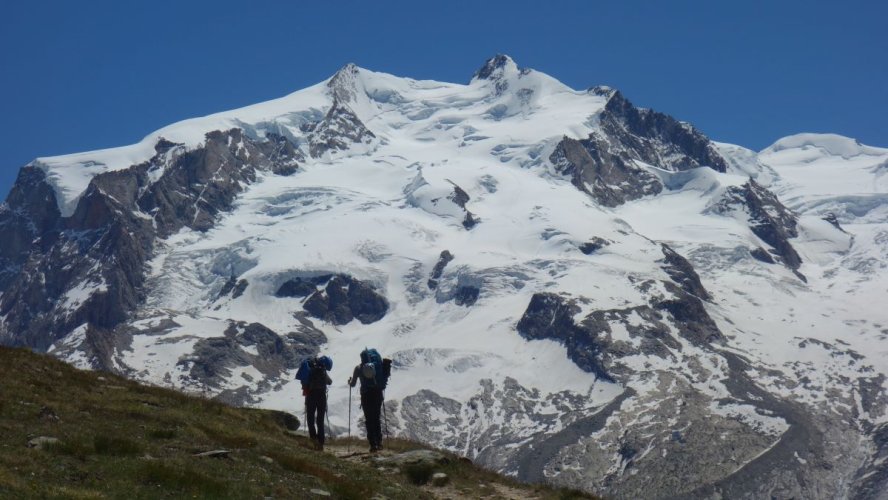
375 371
312 372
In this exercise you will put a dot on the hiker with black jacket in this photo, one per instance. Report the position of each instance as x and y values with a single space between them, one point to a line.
313 375
373 372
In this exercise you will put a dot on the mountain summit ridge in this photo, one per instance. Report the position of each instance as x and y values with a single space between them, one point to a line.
572 288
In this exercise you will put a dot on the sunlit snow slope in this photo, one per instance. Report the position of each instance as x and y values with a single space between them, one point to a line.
573 289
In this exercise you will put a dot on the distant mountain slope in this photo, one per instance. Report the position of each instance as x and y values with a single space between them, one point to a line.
573 289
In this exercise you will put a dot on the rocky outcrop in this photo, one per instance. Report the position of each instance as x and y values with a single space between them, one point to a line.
682 272
212 360
438 270
611 179
466 295
338 131
606 164
655 138
302 287
593 245
345 299
768 219
88 268
460 198
550 316
760 254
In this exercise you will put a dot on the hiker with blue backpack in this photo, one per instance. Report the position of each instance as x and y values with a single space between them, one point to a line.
373 372
313 375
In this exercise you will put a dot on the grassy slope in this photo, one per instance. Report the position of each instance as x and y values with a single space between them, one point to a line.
123 439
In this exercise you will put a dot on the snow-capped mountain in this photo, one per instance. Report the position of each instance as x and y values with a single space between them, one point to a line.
573 289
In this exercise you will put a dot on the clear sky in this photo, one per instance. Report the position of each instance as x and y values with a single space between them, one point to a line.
76 76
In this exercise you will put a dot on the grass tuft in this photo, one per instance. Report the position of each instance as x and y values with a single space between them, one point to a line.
162 433
181 479
419 474
116 446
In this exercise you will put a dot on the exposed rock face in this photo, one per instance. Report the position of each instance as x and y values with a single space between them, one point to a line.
466 295
604 164
460 198
213 359
761 254
62 272
344 299
594 245
656 138
834 220
302 287
768 219
611 179
549 316
339 130
682 272
438 270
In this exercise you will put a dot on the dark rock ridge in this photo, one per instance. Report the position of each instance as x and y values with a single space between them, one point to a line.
88 268
550 316
682 272
491 66
834 220
466 295
593 245
438 270
768 219
302 287
212 360
345 299
761 254
337 131
609 178
234 287
590 343
493 70
460 198
603 164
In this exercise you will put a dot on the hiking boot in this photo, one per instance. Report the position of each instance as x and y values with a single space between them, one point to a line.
373 449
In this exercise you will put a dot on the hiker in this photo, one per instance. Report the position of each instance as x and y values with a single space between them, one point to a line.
313 375
373 372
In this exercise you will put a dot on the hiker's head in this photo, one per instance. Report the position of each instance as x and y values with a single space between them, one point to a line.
365 357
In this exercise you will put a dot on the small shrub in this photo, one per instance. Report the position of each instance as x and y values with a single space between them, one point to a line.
419 474
162 433
117 446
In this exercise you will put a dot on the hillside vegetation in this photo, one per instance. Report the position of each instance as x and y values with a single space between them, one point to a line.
67 433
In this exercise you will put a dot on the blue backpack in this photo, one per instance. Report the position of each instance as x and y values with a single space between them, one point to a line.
313 369
375 370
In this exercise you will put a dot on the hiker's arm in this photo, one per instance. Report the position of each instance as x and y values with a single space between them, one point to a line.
329 380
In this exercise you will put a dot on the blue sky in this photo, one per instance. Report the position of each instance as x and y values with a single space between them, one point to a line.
76 76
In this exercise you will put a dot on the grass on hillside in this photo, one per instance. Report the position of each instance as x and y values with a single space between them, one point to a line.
118 438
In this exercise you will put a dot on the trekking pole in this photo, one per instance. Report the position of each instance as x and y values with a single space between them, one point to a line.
349 417
385 417
327 414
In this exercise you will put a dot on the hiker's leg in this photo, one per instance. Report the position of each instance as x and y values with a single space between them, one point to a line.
374 433
322 409
367 407
379 419
310 409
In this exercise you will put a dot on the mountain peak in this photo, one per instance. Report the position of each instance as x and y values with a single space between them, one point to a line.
343 83
829 144
496 66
